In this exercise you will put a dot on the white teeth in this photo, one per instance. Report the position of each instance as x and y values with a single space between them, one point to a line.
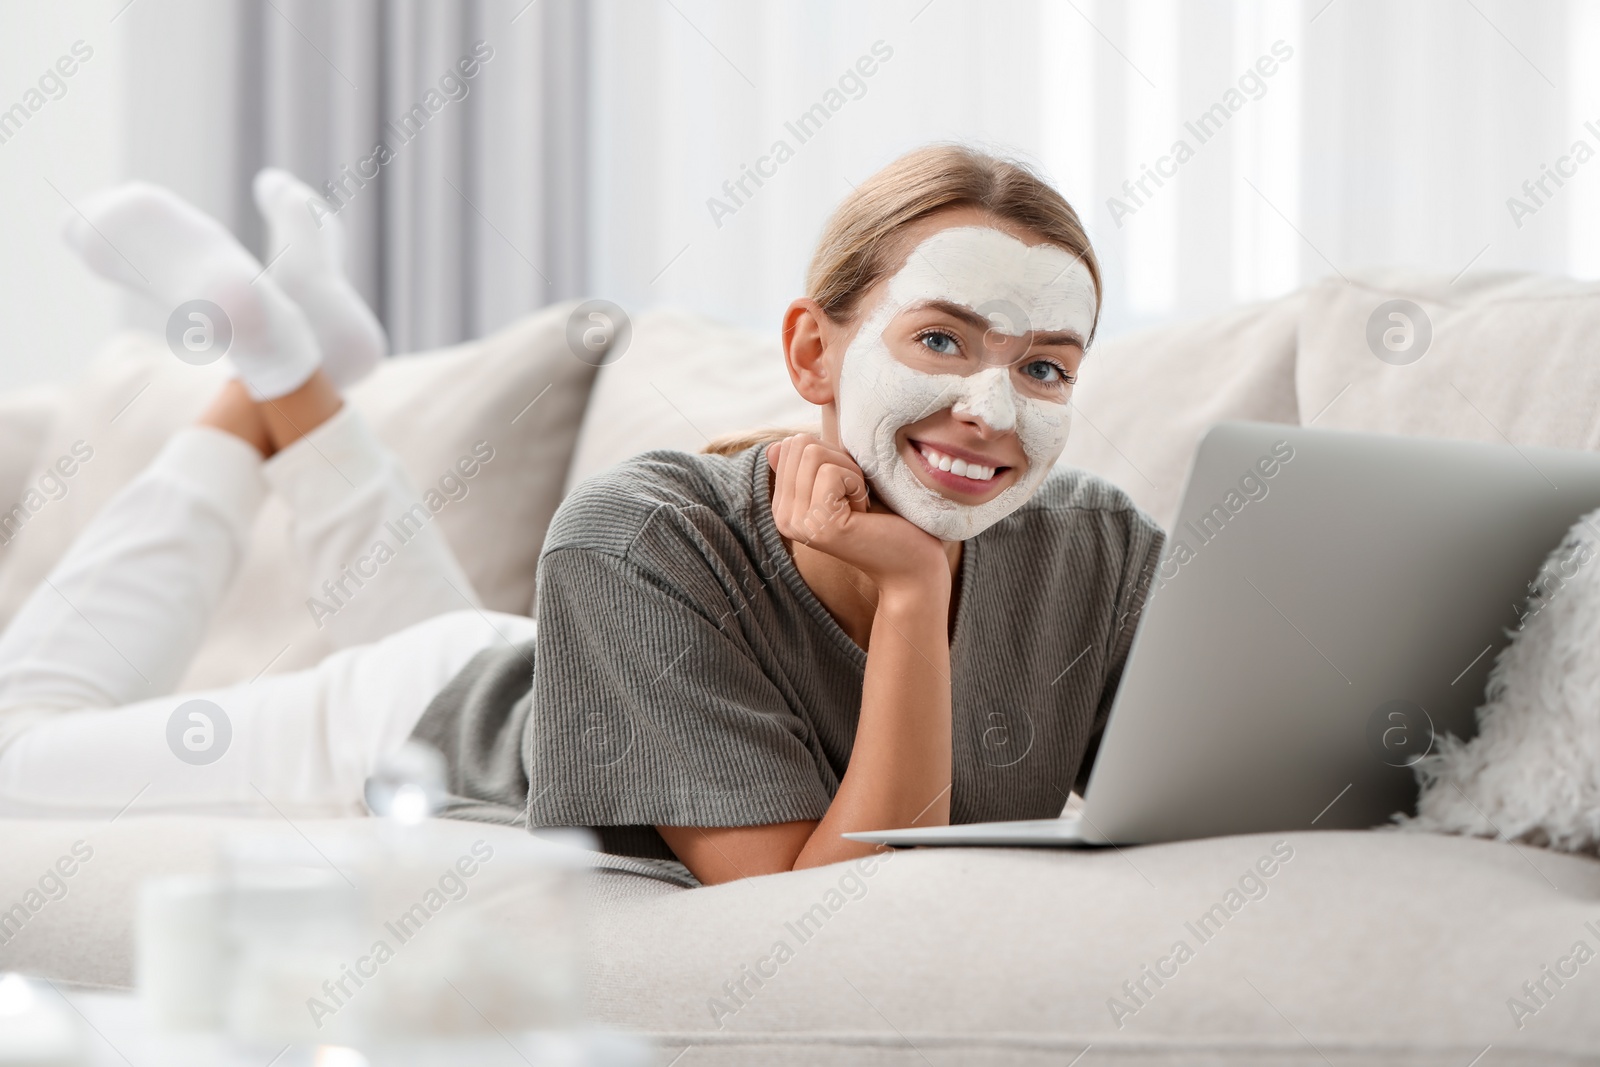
973 471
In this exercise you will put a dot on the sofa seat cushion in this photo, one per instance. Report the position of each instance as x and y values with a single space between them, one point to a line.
1357 947
1362 946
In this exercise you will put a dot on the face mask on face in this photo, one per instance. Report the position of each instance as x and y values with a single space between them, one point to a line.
1018 288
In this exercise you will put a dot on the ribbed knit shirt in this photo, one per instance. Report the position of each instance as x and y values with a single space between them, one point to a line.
686 675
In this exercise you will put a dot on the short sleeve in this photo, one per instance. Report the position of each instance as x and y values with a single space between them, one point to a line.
646 711
1141 555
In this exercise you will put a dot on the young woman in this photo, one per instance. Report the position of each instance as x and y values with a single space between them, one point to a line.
909 618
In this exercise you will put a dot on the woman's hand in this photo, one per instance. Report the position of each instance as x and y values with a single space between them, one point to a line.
820 499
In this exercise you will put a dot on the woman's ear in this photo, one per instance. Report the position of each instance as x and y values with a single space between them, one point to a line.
807 332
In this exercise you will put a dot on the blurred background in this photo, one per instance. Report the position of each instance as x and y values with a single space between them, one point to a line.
1220 151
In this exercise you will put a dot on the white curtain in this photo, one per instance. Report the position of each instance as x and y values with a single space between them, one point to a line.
629 149
1375 133
474 212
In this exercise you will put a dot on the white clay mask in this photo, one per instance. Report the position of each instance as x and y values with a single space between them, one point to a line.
1018 288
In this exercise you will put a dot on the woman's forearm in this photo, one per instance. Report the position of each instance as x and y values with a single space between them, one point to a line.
899 772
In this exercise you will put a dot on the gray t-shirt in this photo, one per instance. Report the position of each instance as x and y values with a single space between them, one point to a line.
687 675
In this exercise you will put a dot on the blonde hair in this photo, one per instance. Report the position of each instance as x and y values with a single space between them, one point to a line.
858 247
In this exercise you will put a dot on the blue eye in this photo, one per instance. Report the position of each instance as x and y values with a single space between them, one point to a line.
1043 370
941 342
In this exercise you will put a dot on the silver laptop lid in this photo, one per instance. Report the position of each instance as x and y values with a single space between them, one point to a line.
1327 603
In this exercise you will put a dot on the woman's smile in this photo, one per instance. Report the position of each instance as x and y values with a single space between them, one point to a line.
952 471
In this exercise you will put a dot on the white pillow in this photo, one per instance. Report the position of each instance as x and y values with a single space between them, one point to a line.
430 409
1511 357
25 417
1145 399
683 381
1532 773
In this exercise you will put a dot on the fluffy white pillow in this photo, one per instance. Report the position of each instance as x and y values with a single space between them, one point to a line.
682 381
1532 773
430 409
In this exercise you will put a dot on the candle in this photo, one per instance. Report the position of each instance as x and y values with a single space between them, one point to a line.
181 957
37 1027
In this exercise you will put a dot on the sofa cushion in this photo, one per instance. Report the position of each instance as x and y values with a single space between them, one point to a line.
25 417
1360 946
1145 399
1356 947
1511 357
522 390
684 380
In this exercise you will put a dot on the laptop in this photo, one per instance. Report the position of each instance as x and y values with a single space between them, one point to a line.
1328 606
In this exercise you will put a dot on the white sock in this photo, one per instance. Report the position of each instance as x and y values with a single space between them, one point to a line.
306 252
151 241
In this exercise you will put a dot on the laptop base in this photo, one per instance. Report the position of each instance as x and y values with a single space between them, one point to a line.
1066 832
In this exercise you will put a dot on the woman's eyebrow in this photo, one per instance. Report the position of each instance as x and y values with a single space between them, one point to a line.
1060 337
955 311
980 322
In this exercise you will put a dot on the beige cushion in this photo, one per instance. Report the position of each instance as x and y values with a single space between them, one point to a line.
684 380
25 417
1145 399
1512 357
1366 947
430 409
1373 946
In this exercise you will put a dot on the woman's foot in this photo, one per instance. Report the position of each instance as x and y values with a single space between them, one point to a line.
146 238
234 411
291 417
306 253
269 426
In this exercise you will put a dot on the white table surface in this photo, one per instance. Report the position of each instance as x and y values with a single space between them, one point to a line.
120 1036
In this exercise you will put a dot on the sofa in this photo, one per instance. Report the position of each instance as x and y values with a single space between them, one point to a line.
1357 947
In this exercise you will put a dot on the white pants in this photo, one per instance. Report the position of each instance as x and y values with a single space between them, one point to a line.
89 664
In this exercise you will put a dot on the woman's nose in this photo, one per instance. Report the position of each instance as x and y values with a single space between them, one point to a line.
987 397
